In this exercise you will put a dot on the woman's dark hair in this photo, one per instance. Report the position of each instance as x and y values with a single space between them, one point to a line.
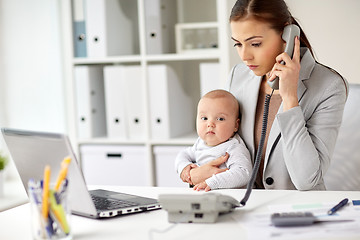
274 12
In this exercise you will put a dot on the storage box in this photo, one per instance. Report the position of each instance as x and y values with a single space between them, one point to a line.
197 37
115 165
166 175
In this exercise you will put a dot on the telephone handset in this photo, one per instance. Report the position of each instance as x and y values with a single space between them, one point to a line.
290 31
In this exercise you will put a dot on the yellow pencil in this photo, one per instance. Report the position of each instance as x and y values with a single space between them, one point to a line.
45 200
62 174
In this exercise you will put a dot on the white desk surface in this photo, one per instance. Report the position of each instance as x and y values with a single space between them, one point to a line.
14 194
15 223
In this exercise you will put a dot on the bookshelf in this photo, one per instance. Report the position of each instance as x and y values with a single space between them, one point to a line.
205 18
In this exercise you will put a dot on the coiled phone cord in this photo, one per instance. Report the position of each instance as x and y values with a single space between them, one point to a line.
259 150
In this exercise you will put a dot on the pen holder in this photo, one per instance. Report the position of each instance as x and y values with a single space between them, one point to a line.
50 217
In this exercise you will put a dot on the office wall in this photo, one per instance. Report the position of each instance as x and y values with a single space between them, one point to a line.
31 84
332 27
31 72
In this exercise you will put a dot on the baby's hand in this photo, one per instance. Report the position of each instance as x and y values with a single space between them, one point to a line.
202 186
185 174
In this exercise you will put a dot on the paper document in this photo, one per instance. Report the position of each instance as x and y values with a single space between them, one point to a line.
344 223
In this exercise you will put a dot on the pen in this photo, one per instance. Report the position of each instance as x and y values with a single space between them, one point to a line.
338 206
62 174
57 209
63 189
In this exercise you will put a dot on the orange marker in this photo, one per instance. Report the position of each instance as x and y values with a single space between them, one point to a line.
45 200
63 172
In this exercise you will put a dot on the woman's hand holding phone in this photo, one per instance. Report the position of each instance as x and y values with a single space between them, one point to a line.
288 75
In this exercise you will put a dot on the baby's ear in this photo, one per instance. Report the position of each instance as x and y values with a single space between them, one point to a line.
237 124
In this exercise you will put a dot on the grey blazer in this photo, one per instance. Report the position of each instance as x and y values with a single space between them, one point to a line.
301 140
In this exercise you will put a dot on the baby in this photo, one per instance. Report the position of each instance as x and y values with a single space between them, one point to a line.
217 123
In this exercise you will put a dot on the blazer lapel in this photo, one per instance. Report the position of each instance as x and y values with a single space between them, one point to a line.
249 101
307 65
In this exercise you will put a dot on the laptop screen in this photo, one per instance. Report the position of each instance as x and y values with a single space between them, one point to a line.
32 151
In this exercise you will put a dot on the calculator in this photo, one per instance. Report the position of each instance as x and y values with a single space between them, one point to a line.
288 219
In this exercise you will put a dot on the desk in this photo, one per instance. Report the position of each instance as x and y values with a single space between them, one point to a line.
15 223
14 194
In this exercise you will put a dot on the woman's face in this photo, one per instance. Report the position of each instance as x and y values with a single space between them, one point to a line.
257 44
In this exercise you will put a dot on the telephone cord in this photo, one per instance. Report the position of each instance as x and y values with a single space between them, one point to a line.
259 150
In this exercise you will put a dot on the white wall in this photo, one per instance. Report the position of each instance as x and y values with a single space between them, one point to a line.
333 29
31 83
31 72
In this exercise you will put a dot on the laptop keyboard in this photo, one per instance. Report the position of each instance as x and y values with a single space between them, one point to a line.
110 204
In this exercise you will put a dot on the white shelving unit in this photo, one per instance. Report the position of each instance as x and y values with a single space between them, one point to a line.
185 65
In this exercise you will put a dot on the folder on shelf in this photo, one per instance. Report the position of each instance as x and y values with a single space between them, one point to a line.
79 29
171 112
134 101
160 19
209 77
111 27
89 87
115 101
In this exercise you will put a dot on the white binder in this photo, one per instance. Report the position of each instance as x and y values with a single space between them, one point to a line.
111 27
89 87
209 77
171 114
160 20
115 102
134 102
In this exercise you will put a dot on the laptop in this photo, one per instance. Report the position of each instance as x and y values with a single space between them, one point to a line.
31 151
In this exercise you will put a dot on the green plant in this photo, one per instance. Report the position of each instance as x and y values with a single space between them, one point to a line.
3 161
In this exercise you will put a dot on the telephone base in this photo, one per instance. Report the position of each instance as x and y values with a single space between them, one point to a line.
192 217
196 208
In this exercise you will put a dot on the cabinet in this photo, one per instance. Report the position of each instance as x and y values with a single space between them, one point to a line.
150 53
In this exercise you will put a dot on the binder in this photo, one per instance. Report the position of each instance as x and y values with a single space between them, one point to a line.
171 112
134 102
89 87
114 99
160 20
209 77
79 29
111 27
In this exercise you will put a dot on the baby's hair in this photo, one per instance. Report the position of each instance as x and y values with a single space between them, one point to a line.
220 93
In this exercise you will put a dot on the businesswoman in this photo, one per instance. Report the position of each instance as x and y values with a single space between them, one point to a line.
304 114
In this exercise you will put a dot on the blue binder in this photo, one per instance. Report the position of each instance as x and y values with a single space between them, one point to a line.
79 39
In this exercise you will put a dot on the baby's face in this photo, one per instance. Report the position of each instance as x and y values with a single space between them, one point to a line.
216 120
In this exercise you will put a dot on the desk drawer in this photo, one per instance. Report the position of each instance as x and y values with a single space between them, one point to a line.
115 165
